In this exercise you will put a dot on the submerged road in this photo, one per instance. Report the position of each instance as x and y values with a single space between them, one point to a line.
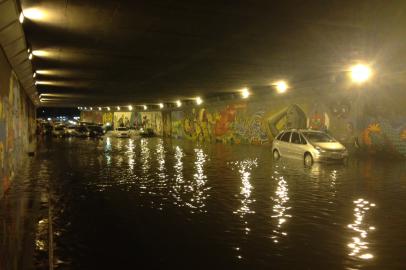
154 204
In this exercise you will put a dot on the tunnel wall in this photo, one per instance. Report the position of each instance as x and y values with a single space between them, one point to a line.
17 124
371 120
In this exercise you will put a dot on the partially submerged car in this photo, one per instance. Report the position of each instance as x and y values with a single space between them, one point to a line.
308 145
95 131
81 131
122 132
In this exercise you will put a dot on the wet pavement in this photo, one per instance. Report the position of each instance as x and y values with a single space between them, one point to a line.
155 203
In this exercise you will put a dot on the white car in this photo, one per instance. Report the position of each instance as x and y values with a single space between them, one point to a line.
122 132
308 145
70 131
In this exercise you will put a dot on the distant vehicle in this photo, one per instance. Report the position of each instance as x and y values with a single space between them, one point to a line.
309 145
81 131
70 131
95 131
149 132
122 132
58 131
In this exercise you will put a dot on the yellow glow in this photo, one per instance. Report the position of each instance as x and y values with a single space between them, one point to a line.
178 103
35 14
130 107
34 75
360 73
199 101
21 18
118 108
41 53
145 107
161 105
30 56
108 108
245 93
281 86
91 108
100 108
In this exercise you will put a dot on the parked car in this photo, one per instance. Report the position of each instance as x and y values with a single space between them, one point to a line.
95 131
81 131
309 145
70 131
122 132
58 131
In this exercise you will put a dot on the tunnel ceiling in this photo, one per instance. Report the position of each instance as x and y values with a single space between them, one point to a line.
99 52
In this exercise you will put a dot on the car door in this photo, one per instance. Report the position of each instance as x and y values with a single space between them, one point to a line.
297 145
284 144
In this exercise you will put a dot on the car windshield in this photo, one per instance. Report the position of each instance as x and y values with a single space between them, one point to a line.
318 137
122 129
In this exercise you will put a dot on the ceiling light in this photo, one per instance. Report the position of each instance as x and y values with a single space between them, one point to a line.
199 101
34 75
118 108
108 108
360 73
281 86
85 108
30 56
161 105
35 14
41 53
130 107
91 108
100 108
145 107
178 103
245 93
28 50
21 18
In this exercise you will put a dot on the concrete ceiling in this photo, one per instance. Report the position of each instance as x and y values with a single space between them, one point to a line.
100 52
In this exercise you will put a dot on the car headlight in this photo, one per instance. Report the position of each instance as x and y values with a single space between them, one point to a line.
318 148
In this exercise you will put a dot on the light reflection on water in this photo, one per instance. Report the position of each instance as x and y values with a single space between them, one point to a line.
179 181
280 208
360 228
198 188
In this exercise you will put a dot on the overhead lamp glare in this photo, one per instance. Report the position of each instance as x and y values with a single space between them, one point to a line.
281 86
30 56
145 107
118 108
245 93
161 105
130 107
199 101
21 18
178 103
100 108
360 73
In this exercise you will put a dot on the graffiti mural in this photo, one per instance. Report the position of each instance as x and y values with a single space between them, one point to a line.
16 130
152 120
91 117
122 119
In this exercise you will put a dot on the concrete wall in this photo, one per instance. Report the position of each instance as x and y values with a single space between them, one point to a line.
370 119
17 124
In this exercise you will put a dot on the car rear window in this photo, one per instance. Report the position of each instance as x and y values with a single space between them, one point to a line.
286 136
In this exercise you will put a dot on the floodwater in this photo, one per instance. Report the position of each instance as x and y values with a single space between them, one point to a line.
156 204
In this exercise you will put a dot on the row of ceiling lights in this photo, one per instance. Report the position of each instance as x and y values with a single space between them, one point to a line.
359 73
281 87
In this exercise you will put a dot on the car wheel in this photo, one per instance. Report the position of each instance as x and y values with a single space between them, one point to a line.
308 159
276 155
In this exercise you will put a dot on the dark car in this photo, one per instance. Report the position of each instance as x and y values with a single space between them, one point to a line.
81 131
95 131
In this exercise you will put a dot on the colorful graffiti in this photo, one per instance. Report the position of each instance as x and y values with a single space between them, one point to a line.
91 117
122 119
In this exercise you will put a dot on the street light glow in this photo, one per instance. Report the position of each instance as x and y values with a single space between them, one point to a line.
100 108
108 108
199 101
91 108
245 93
178 103
41 53
30 56
145 107
34 75
161 105
130 107
118 108
35 14
360 73
281 86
